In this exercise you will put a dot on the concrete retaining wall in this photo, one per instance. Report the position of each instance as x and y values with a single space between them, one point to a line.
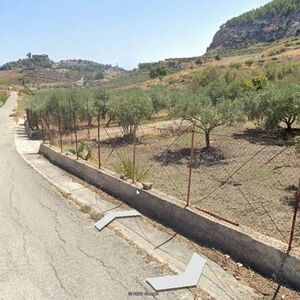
263 254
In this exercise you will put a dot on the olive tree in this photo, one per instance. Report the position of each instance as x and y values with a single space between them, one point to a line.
206 116
129 107
35 106
87 107
274 105
100 98
160 97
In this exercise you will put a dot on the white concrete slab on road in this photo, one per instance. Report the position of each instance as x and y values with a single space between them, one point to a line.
188 279
109 217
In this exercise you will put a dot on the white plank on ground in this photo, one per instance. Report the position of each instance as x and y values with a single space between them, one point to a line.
109 217
187 279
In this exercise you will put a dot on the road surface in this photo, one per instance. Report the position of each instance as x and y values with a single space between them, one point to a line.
49 249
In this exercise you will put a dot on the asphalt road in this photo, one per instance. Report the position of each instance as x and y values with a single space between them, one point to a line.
49 249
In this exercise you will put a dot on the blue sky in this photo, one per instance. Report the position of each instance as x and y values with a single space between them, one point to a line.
113 31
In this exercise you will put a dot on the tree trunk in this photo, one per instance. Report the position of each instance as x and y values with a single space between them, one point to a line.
89 126
107 124
289 122
98 123
75 130
60 134
207 140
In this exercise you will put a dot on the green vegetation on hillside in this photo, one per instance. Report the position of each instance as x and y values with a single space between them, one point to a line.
126 78
27 64
275 7
268 94
39 69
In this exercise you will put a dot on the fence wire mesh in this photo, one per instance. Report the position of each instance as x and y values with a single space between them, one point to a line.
242 177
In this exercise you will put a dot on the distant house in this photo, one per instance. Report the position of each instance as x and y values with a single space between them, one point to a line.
40 57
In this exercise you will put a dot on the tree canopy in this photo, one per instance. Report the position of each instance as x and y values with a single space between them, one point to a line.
274 105
129 107
200 110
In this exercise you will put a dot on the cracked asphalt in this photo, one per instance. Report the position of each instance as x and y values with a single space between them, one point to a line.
49 249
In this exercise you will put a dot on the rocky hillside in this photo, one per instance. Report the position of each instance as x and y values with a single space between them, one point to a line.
276 20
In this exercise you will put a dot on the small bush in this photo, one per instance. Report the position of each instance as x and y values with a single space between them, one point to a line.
125 167
84 151
99 75
235 65
158 71
72 151
199 61
95 216
249 63
3 98
85 209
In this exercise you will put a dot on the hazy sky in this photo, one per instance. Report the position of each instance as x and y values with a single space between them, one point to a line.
113 31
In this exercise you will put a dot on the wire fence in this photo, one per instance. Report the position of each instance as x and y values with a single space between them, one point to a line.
244 177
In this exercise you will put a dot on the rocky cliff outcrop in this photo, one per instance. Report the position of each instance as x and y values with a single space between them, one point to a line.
276 20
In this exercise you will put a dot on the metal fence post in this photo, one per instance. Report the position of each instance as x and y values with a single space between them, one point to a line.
190 166
134 155
297 204
99 152
60 135
75 127
70 121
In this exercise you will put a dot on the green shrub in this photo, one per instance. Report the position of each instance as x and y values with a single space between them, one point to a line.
158 71
84 151
72 151
249 62
125 167
3 98
235 65
99 75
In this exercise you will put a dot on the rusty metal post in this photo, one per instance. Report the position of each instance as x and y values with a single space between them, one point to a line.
296 209
75 128
60 135
134 155
70 121
99 152
190 166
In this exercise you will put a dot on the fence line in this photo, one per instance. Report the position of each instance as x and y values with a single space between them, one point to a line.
242 180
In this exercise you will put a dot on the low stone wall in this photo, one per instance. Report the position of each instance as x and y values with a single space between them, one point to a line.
262 253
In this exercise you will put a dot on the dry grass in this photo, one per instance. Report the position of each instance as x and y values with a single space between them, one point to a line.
95 216
85 208
10 77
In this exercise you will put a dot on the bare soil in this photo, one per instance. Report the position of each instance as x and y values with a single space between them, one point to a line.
247 176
